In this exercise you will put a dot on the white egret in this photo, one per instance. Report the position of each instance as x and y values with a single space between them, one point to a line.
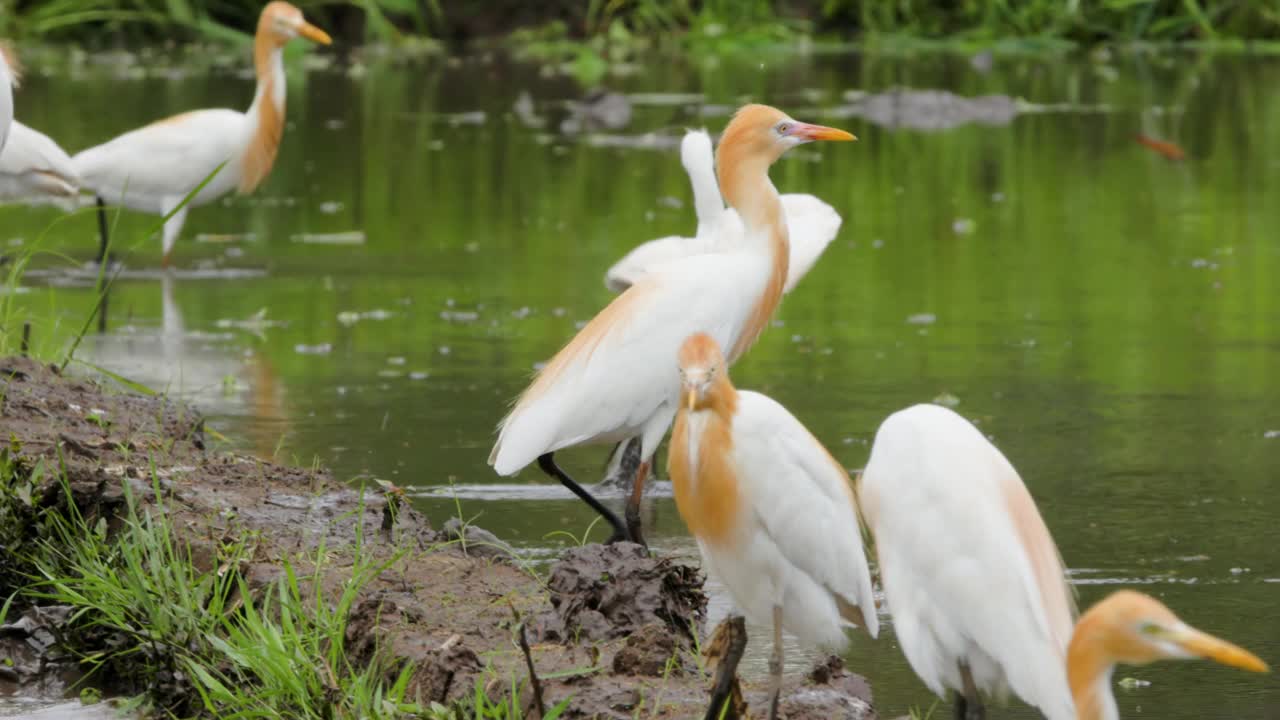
811 224
153 168
615 379
972 578
9 77
773 513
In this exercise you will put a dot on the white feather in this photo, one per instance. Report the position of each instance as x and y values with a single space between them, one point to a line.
144 168
811 225
32 165
627 385
799 545
959 580
6 100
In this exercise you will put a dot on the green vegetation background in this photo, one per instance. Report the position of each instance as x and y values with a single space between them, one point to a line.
696 22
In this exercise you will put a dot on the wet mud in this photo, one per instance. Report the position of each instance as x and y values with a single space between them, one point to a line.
609 627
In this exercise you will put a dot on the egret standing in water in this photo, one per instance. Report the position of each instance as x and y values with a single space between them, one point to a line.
615 379
811 224
1135 629
772 511
973 580
153 168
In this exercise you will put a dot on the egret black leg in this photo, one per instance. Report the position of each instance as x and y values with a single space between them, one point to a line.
969 703
103 231
548 465
728 642
627 457
633 504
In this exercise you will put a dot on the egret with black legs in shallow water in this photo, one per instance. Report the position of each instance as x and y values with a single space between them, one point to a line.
772 511
616 378
153 168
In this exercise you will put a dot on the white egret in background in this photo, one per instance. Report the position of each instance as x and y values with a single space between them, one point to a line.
34 167
1135 629
811 224
973 580
153 168
616 379
8 80
773 513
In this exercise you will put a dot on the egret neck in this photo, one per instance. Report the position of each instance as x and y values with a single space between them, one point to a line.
744 179
266 114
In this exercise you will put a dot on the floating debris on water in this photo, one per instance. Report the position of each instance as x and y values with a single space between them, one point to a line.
1271 434
963 226
419 375
223 238
355 237
946 399
330 207
1130 683
396 360
320 349
255 323
1170 151
349 317
459 316
922 319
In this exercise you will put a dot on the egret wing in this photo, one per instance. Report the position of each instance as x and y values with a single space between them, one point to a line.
164 159
957 572
804 499
619 372
811 225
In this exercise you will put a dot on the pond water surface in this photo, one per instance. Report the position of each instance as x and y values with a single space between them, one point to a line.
428 236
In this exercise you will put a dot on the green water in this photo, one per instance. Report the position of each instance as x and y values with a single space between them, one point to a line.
1107 316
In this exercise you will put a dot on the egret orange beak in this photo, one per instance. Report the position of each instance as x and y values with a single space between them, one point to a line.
314 34
1220 651
690 398
820 132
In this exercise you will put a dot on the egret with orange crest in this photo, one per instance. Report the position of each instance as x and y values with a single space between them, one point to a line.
153 168
976 587
1135 629
773 513
811 224
615 379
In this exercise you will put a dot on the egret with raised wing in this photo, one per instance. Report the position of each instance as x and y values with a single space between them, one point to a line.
615 379
773 513
152 169
811 224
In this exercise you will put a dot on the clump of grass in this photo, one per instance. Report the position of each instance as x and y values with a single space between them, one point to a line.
198 641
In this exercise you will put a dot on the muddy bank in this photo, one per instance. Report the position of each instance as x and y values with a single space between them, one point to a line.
610 628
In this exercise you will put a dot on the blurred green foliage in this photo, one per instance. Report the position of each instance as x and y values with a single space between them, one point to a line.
701 23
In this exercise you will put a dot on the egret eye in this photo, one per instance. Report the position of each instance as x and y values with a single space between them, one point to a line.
784 128
1150 629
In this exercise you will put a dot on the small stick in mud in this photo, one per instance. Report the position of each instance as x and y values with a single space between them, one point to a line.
723 652
534 682
26 338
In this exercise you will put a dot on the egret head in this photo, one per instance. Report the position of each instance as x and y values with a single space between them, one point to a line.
701 365
766 133
1132 628
283 22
